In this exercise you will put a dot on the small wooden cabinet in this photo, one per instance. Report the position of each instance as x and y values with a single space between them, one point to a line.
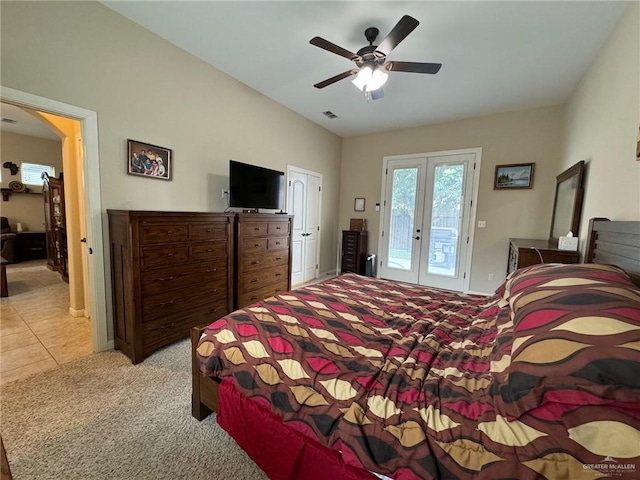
354 251
170 271
263 256
524 252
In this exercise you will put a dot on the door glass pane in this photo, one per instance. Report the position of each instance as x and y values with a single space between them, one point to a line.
403 207
446 218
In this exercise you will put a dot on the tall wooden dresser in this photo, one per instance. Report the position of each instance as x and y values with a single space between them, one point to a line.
263 256
354 251
170 271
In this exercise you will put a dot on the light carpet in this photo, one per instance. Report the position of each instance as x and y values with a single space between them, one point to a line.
102 417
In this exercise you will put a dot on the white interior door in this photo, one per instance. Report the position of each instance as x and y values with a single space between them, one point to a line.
303 202
427 217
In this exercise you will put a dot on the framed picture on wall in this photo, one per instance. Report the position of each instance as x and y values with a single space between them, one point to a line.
513 176
358 205
148 160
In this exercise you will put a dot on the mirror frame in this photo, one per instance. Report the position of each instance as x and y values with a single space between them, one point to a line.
575 172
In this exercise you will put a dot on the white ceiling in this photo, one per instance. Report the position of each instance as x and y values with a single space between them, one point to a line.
497 56
26 123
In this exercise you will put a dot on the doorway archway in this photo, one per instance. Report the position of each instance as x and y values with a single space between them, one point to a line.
92 201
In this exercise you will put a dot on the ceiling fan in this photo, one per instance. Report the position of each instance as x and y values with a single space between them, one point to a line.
371 61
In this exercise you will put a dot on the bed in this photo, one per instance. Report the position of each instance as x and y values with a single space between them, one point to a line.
359 377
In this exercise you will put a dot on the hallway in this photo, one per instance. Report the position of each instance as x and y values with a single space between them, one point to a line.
36 331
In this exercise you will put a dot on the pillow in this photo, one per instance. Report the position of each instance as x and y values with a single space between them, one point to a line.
576 336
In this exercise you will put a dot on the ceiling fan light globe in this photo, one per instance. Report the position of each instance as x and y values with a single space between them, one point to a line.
363 79
378 79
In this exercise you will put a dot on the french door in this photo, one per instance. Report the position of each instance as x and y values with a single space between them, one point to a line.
303 202
427 217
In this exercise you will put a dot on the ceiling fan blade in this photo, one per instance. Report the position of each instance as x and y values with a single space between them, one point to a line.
333 48
413 67
404 27
377 94
335 79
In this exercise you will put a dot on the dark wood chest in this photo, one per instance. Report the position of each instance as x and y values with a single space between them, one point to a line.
170 271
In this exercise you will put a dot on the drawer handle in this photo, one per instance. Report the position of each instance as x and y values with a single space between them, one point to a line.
253 280
167 303
255 262
170 254
277 228
278 258
253 298
256 228
162 279
256 244
169 232
208 230
278 274
277 243
210 250
212 270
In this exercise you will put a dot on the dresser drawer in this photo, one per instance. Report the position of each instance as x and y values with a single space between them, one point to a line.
151 233
176 326
278 228
165 280
278 243
160 256
260 294
263 277
181 300
266 260
204 252
255 229
208 231
254 245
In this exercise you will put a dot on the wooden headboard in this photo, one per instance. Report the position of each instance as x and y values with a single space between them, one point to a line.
615 243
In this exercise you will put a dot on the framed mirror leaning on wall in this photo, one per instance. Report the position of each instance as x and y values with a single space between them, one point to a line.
567 205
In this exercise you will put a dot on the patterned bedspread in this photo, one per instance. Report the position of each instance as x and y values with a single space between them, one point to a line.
402 379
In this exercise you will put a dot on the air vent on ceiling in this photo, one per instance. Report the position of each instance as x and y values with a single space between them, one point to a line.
330 114
9 120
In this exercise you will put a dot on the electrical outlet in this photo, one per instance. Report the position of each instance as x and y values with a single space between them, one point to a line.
482 224
491 276
225 192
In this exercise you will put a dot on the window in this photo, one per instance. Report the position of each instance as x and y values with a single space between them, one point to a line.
32 173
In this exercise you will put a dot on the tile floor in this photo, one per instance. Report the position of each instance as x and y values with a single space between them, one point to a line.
36 331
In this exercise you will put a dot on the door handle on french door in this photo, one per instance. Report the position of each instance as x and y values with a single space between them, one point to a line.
417 238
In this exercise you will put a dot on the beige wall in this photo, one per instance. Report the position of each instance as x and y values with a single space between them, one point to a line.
601 126
27 209
144 88
519 137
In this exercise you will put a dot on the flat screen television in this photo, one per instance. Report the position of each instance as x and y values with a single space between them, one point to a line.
256 187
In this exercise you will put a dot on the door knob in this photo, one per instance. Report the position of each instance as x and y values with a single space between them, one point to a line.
417 238
83 240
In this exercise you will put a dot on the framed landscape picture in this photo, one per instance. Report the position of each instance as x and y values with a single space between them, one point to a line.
516 175
148 160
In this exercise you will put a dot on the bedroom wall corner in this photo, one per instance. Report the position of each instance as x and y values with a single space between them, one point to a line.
601 126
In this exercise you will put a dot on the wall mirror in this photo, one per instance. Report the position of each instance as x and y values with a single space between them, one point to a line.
567 206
